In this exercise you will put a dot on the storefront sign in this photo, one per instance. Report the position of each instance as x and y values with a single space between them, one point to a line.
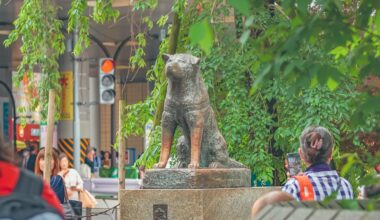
67 97
43 139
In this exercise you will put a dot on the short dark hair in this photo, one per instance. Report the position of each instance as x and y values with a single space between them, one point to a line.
316 144
6 152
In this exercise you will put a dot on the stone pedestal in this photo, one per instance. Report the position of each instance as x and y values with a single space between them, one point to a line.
196 178
186 204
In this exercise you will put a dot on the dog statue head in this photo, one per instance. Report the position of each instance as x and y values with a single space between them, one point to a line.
179 66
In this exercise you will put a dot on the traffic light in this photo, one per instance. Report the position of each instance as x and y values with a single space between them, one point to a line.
107 81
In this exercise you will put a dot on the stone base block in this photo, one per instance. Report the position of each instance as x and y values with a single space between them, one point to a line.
186 204
196 178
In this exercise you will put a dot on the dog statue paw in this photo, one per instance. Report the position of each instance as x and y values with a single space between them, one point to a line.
159 165
193 165
215 165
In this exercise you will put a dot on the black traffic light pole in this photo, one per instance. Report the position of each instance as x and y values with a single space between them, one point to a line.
14 112
107 54
106 97
115 57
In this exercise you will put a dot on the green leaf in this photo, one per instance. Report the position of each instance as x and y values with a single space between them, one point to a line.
314 81
162 20
243 6
349 204
202 34
329 198
244 37
249 21
332 84
339 52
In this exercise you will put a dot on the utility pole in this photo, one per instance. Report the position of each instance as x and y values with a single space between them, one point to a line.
76 106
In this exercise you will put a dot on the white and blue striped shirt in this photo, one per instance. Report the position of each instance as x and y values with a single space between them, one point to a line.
324 181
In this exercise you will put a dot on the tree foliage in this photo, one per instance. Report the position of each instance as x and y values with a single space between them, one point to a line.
345 32
42 43
291 67
42 37
280 67
309 61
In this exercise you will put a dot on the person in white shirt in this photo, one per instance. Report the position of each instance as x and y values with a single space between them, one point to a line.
73 181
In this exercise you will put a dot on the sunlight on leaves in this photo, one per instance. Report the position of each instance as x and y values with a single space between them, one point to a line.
243 6
332 84
244 37
202 35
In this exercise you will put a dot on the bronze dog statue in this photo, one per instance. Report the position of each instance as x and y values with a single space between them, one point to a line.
187 105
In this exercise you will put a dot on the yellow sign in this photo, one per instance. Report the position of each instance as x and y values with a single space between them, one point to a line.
67 97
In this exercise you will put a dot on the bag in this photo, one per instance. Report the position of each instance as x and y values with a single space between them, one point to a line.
88 200
85 171
68 209
306 188
77 207
26 200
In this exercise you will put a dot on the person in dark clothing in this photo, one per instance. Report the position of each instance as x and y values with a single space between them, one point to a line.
89 160
10 177
29 160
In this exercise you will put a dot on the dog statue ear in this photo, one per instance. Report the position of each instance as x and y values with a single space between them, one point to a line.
195 60
166 57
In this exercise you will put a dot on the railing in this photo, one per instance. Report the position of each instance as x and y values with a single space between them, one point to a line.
100 213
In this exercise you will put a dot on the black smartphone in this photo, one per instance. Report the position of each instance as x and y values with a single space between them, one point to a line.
294 163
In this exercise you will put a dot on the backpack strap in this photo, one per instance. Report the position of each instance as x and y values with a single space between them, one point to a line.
306 188
65 174
28 184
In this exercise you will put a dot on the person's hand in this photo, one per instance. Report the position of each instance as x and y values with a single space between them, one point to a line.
287 170
298 174
74 188
90 156
288 173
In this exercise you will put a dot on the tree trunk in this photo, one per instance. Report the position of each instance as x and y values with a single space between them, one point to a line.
121 147
172 49
49 136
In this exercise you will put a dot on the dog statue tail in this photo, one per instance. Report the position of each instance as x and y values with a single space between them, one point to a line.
234 164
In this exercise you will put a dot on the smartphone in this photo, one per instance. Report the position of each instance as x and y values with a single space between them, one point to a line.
294 163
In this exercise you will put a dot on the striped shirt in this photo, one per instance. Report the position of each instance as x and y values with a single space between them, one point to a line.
324 181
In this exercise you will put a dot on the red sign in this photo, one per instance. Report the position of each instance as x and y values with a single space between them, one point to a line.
31 132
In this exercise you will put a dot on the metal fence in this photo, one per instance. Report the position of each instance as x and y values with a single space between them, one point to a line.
100 213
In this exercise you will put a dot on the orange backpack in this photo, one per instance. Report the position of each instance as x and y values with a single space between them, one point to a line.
306 188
